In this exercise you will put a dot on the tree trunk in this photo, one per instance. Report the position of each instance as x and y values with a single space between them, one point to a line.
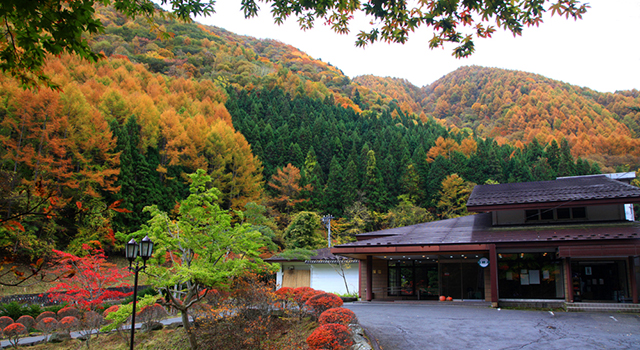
187 327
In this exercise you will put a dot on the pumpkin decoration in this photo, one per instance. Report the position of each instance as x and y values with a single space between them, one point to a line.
443 298
449 299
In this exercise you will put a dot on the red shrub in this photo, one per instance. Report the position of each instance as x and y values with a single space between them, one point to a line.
46 314
5 321
91 320
13 332
68 324
322 302
302 294
338 315
330 337
285 293
47 325
68 311
26 321
151 313
111 309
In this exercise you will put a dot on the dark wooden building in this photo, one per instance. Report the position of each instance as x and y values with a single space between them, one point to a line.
567 240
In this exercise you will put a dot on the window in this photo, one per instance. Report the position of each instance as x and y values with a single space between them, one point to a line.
534 215
563 213
530 276
546 214
413 278
579 213
531 215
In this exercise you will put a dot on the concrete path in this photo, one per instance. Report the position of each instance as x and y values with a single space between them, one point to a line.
39 338
422 326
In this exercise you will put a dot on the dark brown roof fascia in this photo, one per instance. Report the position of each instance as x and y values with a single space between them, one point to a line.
388 249
546 205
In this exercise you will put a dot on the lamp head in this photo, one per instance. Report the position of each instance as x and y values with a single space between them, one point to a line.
131 250
146 248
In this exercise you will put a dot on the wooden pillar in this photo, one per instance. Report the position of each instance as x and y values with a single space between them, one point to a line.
493 266
632 279
369 277
568 277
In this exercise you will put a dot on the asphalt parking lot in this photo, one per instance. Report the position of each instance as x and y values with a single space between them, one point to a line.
425 326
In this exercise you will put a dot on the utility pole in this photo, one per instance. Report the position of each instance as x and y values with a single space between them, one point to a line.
326 221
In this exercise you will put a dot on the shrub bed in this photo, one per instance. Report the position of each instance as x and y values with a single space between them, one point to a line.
330 337
338 315
319 303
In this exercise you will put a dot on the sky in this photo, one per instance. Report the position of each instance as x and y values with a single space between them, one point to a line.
601 51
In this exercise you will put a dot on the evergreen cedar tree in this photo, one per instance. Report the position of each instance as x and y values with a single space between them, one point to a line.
37 28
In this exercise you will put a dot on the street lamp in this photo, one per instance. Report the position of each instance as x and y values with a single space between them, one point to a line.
132 251
326 221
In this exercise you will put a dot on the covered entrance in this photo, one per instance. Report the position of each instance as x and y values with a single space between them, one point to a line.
462 280
600 280
428 277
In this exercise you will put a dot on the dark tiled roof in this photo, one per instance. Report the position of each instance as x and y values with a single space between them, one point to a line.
566 190
321 254
477 229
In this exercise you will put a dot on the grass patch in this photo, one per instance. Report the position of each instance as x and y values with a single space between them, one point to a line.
291 337
165 339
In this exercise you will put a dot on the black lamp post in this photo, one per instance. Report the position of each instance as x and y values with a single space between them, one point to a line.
132 251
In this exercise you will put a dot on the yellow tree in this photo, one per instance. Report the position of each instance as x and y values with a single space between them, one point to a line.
443 147
286 182
232 166
453 197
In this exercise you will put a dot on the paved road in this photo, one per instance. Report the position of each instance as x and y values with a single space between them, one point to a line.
420 326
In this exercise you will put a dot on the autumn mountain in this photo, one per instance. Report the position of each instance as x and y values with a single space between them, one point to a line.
515 106
124 132
509 106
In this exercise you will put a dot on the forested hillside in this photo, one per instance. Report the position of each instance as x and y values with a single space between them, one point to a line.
514 106
284 137
116 132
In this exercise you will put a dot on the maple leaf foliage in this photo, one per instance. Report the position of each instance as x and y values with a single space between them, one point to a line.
84 281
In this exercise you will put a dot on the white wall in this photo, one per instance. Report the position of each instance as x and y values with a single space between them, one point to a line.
324 277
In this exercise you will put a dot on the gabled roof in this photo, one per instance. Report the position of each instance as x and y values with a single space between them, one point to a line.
570 192
477 229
